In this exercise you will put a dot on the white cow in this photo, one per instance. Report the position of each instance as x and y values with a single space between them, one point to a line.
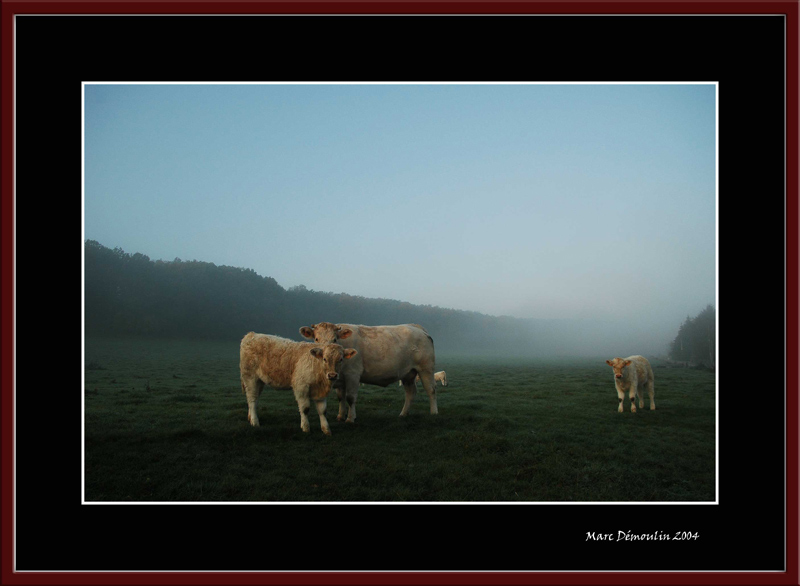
308 369
633 374
438 377
385 354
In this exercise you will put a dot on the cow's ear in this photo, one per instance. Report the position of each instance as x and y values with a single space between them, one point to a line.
350 352
316 352
627 362
608 362
343 334
307 332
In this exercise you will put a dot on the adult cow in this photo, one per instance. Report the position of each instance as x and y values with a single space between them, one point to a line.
385 354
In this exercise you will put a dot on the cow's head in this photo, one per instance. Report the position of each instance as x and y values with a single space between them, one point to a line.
618 364
326 333
332 357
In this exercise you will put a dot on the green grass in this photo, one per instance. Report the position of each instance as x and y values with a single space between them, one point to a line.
167 421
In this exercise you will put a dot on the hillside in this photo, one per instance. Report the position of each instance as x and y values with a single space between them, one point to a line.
129 294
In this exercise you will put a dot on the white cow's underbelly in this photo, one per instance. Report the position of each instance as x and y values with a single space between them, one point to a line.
381 381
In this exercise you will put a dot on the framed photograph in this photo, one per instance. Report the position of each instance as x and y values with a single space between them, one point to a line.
547 251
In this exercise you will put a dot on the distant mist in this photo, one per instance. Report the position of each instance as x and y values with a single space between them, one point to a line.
129 294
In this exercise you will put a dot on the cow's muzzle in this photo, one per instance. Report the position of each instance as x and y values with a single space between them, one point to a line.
618 375
332 376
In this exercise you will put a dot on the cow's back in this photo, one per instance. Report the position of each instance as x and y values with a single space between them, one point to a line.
386 353
272 358
644 372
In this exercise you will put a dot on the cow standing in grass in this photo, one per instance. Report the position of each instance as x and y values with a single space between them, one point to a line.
385 354
308 369
633 374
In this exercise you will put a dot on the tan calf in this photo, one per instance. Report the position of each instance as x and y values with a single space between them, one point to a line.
385 354
308 369
633 374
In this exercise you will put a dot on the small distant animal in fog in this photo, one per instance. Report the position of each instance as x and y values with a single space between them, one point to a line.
633 374
438 377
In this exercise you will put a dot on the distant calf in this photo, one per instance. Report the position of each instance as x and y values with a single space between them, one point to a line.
633 374
438 377
308 369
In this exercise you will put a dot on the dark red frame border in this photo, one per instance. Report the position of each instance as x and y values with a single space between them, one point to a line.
789 8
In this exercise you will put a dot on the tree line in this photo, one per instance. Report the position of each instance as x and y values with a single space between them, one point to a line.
130 294
696 339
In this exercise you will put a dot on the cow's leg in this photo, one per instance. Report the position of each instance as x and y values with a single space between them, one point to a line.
430 387
322 406
640 394
252 387
651 392
632 397
410 385
304 405
351 394
620 396
342 401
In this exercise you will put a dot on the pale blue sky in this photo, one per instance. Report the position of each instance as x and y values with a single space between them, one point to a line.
526 200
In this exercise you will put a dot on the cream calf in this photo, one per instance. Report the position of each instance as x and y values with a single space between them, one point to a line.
308 369
633 374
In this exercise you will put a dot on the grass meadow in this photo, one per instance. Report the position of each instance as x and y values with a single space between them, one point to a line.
166 420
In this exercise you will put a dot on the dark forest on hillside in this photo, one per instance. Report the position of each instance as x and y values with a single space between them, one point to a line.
130 294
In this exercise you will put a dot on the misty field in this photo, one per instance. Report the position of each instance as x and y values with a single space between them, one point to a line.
166 420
